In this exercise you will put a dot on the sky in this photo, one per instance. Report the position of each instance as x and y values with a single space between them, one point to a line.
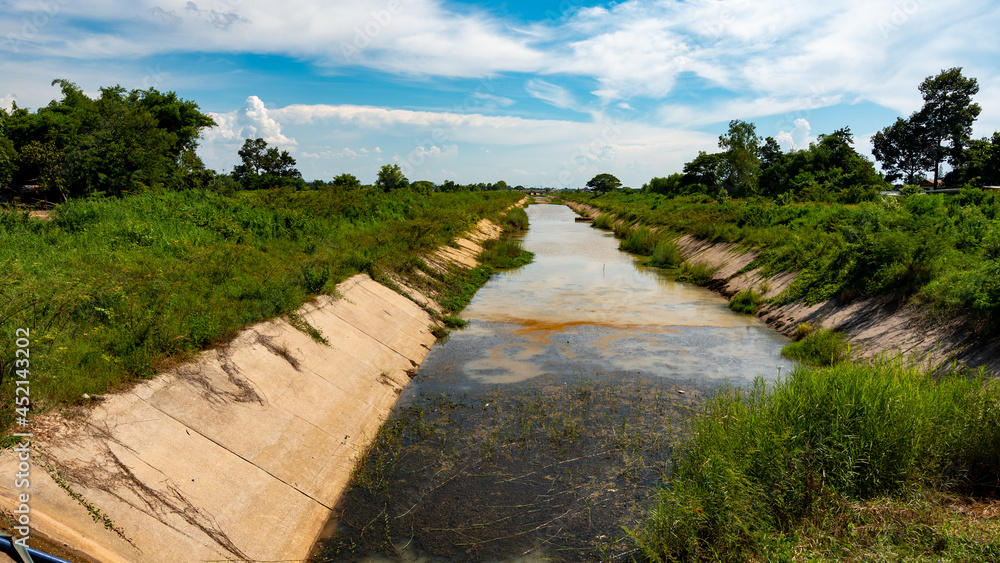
538 93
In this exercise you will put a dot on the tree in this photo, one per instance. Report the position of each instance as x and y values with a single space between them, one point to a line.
742 160
604 183
391 178
346 181
703 174
665 186
980 164
902 150
948 114
263 166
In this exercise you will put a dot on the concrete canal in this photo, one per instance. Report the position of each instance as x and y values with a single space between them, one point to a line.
542 429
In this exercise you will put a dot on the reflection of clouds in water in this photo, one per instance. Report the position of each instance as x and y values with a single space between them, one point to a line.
587 308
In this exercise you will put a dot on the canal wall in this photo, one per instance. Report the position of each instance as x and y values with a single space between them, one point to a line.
873 326
241 454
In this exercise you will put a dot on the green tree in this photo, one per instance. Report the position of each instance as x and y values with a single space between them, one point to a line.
422 187
742 161
263 166
947 114
346 181
7 155
980 163
665 186
703 174
391 178
603 183
902 149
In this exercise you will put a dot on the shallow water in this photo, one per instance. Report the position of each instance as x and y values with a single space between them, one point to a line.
584 307
543 427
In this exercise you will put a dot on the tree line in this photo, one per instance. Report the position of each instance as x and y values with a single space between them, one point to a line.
128 141
830 169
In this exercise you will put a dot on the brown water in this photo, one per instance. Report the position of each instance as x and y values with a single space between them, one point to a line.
543 427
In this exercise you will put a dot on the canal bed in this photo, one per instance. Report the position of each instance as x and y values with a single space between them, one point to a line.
542 429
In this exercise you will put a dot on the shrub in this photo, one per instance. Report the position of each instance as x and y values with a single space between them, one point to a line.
640 241
516 220
699 273
666 254
747 302
603 221
822 348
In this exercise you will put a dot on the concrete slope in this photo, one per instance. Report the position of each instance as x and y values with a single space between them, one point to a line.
874 326
241 454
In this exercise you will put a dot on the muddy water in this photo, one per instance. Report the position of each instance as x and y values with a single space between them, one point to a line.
544 427
584 307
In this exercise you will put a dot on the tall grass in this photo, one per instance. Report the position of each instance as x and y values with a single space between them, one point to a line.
760 462
642 241
822 348
747 302
113 287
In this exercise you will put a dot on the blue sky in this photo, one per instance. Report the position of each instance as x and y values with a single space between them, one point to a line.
535 93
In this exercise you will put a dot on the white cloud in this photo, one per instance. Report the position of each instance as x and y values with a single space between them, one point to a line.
252 121
796 139
7 102
550 93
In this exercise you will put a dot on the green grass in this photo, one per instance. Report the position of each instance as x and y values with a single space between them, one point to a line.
820 348
781 469
642 241
747 302
666 254
113 288
943 250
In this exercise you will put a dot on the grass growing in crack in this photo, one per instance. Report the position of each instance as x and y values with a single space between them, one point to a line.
95 513
303 325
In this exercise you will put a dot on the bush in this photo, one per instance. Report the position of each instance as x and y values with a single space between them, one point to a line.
603 221
666 254
822 348
516 220
699 273
747 302
640 241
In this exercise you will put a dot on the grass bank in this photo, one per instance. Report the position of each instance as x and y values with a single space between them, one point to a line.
943 251
849 462
114 289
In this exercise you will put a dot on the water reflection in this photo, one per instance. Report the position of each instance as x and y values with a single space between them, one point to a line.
584 307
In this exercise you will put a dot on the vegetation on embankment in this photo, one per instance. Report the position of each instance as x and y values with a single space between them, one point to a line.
847 462
114 287
941 250
852 461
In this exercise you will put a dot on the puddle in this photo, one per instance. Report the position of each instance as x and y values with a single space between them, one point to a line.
542 429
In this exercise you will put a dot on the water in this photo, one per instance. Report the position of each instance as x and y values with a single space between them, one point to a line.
543 427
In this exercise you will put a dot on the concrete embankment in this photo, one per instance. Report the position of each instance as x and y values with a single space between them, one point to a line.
873 326
241 454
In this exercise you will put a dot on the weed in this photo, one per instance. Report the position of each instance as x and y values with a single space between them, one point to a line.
454 322
747 302
821 348
666 254
699 274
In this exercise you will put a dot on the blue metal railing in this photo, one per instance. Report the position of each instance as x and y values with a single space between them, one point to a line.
25 554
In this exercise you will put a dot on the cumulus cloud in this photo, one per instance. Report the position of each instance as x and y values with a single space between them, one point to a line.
7 102
252 121
796 139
